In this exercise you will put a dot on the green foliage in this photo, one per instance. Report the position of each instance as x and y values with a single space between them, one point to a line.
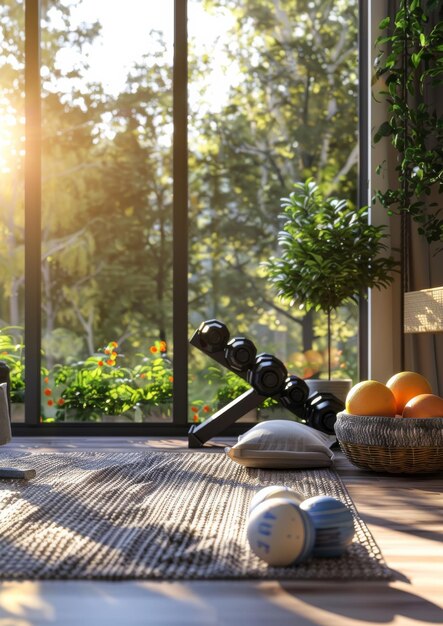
12 353
92 392
94 387
330 254
154 379
410 62
101 385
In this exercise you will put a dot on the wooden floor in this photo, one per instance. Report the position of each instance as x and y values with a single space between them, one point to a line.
404 515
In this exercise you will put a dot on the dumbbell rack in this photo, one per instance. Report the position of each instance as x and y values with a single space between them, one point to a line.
267 376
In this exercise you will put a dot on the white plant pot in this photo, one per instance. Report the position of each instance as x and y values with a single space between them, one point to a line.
340 387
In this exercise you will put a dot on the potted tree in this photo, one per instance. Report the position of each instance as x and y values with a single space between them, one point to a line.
330 254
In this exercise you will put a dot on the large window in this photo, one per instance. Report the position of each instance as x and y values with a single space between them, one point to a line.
12 231
107 211
146 220
273 101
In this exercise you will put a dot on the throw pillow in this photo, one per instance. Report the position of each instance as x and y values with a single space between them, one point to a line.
282 444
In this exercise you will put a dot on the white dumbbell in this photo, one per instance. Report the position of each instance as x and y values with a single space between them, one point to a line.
279 531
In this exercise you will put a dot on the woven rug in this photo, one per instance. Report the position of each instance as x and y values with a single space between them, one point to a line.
154 515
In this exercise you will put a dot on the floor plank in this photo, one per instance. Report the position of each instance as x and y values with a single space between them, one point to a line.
403 513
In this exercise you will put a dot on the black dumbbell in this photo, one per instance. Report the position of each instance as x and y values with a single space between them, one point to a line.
321 411
268 375
213 335
240 354
294 395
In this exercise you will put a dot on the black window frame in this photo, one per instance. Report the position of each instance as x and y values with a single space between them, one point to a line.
179 426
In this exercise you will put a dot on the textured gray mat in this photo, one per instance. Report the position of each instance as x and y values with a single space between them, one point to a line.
154 515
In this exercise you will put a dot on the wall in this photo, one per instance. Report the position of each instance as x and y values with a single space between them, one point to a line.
423 353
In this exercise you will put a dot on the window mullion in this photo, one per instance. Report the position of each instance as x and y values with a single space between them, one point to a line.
180 214
32 211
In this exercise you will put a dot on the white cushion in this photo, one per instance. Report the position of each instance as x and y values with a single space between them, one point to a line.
281 444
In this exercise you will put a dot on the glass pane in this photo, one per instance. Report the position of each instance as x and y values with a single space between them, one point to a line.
12 198
273 101
107 211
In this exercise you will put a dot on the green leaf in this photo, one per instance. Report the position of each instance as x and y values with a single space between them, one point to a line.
384 23
416 58
384 130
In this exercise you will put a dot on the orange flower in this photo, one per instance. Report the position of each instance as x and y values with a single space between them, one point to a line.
194 409
113 344
162 346
153 349
171 379
100 363
206 408
107 351
195 417
60 402
142 375
50 402
46 379
114 355
110 362
47 392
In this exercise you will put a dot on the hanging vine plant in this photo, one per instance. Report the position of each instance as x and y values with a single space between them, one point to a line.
410 61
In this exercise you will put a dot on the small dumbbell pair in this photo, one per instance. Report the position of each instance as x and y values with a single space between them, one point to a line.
285 529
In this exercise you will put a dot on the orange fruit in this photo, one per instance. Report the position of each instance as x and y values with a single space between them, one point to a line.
407 385
424 405
370 398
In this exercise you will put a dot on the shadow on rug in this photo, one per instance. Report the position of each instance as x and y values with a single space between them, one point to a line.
155 515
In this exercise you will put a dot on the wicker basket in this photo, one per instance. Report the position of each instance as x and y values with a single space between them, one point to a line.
392 444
